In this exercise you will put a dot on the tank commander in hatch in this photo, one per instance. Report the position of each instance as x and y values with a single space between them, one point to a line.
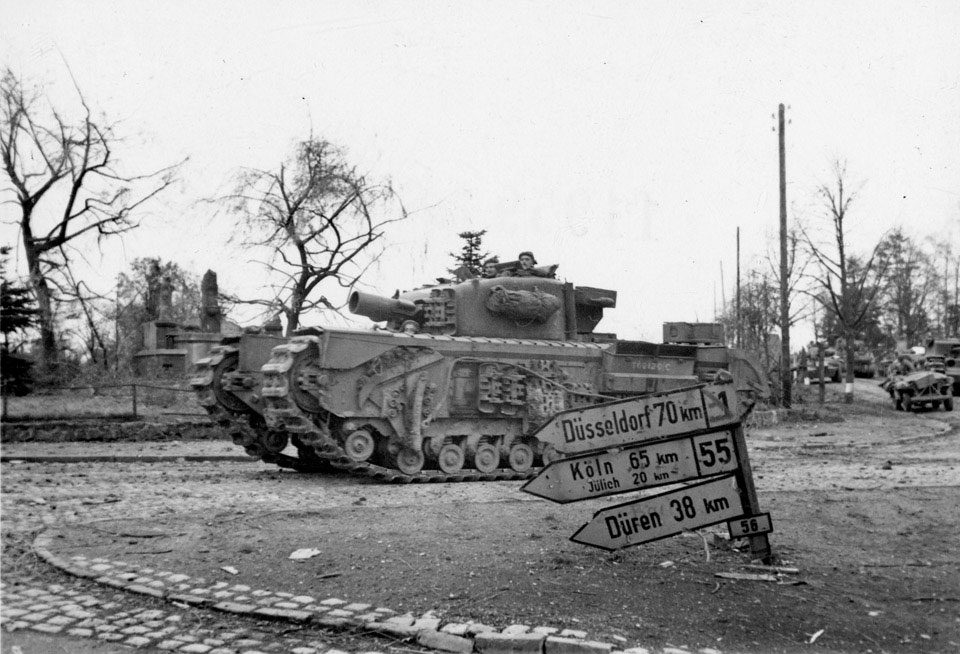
528 267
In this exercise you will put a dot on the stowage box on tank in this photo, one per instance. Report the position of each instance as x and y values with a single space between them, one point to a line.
455 385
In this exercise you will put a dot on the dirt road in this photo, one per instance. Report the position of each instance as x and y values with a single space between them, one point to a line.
863 498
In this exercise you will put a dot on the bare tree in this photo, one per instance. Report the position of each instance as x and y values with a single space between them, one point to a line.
909 289
92 330
792 305
848 291
63 177
318 219
948 283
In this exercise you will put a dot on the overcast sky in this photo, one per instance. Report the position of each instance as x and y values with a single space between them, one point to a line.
625 141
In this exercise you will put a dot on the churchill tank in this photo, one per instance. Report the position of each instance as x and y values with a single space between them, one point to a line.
453 381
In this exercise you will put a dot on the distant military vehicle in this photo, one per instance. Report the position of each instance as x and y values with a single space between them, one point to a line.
833 365
921 389
944 356
864 361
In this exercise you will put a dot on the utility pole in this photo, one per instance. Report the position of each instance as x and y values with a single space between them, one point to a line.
739 330
786 379
723 292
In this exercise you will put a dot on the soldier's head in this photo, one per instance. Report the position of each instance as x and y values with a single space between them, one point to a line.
527 260
490 267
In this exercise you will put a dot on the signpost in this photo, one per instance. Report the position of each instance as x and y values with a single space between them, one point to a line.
677 436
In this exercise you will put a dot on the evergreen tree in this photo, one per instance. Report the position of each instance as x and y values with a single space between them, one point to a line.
18 310
471 256
18 314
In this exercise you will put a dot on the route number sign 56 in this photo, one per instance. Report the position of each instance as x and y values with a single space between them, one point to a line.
750 526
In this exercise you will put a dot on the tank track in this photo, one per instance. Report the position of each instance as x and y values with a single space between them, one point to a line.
329 456
204 385
234 416
283 414
389 475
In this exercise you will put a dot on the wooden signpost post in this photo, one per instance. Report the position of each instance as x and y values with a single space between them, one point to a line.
685 435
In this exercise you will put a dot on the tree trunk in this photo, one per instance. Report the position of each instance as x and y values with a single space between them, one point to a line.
821 382
848 377
50 361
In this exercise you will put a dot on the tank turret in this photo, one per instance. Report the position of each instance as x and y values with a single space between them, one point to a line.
501 307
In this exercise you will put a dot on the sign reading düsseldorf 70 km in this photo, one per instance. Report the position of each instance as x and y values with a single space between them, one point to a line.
660 516
654 417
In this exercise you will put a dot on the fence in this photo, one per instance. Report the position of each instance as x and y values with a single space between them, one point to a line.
127 401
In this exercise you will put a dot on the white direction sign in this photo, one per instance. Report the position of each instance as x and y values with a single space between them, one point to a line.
660 516
656 464
651 417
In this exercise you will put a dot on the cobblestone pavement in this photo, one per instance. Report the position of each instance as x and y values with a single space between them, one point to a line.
49 593
41 598
33 603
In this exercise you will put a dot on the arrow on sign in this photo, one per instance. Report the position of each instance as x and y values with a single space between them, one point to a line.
651 417
660 516
645 466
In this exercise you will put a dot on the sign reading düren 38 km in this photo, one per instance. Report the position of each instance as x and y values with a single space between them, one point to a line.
659 516
688 434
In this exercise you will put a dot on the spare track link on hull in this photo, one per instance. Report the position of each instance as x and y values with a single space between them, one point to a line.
204 383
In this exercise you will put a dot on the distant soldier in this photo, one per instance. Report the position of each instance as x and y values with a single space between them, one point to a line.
490 269
528 267
905 365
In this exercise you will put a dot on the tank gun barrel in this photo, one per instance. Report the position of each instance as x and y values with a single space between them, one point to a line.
378 308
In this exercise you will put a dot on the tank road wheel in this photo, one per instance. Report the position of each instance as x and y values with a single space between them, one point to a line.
486 458
451 458
520 457
550 455
409 461
359 445
274 441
